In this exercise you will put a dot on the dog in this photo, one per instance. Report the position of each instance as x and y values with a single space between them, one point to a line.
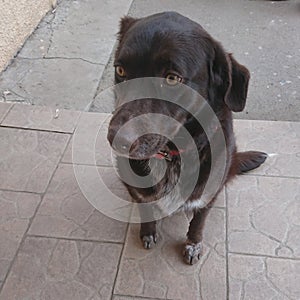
170 46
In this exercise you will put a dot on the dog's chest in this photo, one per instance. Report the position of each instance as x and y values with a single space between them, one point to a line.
168 187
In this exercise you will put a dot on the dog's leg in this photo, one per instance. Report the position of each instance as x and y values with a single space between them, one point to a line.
249 160
148 229
193 246
148 234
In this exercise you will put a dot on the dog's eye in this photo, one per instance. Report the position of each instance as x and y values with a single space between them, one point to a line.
173 79
120 71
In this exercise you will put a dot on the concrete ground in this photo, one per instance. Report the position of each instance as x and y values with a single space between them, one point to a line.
67 61
55 245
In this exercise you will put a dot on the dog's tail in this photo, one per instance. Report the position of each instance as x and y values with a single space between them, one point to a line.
249 160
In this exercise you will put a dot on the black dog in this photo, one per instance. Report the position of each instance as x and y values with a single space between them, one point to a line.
171 46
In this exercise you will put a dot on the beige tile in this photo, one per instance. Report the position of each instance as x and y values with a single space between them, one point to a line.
61 269
16 209
4 108
89 144
285 276
259 278
41 117
29 158
280 139
263 216
66 212
160 273
221 199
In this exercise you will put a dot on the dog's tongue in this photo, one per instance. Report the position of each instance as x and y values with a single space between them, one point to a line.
160 155
167 154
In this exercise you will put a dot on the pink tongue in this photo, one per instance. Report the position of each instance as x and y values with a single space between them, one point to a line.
159 156
170 154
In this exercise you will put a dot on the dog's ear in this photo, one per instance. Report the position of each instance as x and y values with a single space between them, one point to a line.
125 24
229 79
237 94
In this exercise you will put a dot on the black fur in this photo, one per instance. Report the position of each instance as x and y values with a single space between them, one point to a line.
170 42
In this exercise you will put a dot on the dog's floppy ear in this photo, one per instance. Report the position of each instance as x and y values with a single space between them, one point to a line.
229 79
237 94
125 24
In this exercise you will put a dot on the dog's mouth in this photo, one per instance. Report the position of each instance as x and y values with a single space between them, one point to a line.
162 154
145 147
144 136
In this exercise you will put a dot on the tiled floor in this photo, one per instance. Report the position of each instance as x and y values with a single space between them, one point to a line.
55 245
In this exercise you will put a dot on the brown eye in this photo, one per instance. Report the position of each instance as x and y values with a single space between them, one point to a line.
120 71
173 79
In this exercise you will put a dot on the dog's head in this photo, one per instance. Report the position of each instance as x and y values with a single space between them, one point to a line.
171 46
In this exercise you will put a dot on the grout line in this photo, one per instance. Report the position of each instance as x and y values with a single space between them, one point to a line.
23 239
88 165
222 208
140 297
20 246
119 263
264 255
42 195
73 239
270 176
51 28
59 162
77 122
35 129
64 152
62 58
235 119
97 91
226 244
8 111
24 192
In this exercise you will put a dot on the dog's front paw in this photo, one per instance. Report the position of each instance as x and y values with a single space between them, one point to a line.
192 252
149 240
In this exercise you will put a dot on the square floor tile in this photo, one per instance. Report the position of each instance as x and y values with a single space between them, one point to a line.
281 140
66 212
263 216
160 273
28 158
89 143
61 269
256 278
16 210
41 117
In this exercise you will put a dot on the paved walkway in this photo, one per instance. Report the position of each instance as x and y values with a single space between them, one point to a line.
62 63
55 245
68 60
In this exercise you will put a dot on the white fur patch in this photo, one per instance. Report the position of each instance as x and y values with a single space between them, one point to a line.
195 204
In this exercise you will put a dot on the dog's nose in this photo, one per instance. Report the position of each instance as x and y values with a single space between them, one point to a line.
120 142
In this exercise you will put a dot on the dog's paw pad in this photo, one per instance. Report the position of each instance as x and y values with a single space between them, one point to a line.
192 252
149 241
